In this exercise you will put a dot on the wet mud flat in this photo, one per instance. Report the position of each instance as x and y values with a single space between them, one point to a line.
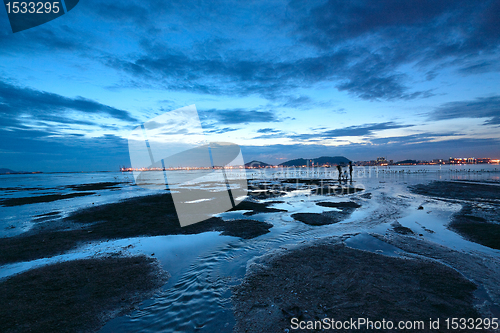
482 269
152 215
479 218
478 224
331 280
80 190
345 209
470 191
79 295
12 202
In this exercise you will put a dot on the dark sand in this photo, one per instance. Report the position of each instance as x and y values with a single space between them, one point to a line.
478 267
477 223
11 202
397 227
330 217
340 205
86 188
460 190
257 207
96 186
334 281
144 216
77 296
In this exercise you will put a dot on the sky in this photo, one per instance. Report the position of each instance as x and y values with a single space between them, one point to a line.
281 79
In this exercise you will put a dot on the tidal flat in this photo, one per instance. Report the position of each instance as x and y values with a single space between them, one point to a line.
423 248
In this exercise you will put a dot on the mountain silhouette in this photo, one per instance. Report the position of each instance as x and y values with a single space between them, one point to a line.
256 164
320 161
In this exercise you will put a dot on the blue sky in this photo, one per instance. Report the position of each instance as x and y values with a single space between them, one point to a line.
283 79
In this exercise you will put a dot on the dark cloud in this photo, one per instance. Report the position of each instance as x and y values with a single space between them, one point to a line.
236 116
47 38
267 77
383 35
412 139
361 46
130 11
299 101
450 27
479 67
482 107
220 130
16 101
268 131
362 130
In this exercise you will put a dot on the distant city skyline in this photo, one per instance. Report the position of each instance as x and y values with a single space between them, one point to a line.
281 79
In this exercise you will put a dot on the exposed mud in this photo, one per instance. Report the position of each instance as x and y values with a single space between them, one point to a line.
334 281
77 296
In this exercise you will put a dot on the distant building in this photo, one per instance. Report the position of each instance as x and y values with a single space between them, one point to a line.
463 160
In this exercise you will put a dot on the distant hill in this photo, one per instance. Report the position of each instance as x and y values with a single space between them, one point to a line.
256 164
5 171
331 160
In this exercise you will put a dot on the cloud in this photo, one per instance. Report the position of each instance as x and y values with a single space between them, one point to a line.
479 67
298 101
220 130
482 107
268 131
384 35
271 78
361 130
450 27
356 46
412 139
17 101
236 116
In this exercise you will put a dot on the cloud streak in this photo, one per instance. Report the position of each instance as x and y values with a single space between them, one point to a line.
17 101
350 131
236 116
482 107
